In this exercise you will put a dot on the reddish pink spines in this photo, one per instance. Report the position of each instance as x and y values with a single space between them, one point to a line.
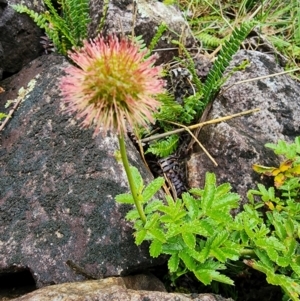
111 83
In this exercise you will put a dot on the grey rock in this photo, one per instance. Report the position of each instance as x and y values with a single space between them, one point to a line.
19 37
150 14
107 290
57 208
144 282
237 144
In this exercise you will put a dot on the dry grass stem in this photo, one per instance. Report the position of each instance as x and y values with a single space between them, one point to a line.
260 77
10 113
194 126
199 143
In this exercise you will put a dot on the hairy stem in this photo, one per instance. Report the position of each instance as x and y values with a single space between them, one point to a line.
135 195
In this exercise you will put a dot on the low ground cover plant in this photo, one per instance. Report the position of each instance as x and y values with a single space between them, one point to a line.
201 236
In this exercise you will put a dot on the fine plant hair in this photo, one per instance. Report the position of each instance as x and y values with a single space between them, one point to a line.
200 235
66 29
194 105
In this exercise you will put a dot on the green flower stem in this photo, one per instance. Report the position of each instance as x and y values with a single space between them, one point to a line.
136 197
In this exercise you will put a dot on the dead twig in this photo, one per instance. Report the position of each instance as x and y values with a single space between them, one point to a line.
194 126
197 131
258 78
199 143
10 113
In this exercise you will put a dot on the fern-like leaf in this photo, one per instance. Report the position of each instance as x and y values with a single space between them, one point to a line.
78 18
160 31
39 19
66 30
170 110
165 147
209 40
230 47
60 25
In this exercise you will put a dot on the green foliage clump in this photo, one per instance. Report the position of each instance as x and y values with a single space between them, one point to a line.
67 29
279 255
193 106
202 237
289 168
173 228
173 112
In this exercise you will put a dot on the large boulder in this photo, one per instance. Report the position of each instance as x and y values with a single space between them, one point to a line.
58 216
238 143
117 288
20 33
143 19
19 37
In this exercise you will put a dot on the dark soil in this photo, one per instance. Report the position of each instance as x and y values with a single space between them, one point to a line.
16 284
250 285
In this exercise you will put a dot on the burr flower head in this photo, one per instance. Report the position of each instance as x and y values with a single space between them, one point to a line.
111 84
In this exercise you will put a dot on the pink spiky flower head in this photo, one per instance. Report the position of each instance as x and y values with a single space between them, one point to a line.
111 84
